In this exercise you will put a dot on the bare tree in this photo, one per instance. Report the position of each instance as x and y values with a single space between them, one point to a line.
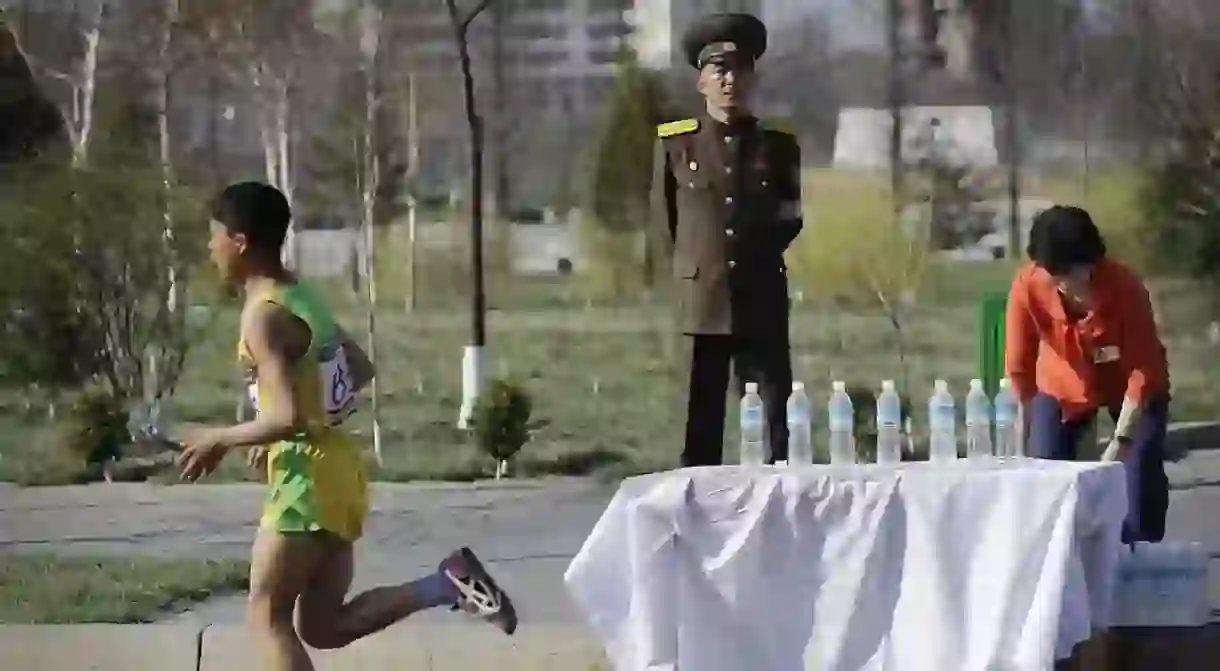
370 181
272 80
897 100
261 43
1180 118
502 180
84 85
166 361
412 118
81 78
472 362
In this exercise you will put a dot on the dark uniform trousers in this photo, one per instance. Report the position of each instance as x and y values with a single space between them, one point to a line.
728 197
715 359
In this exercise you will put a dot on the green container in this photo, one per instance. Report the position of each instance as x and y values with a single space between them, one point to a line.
991 340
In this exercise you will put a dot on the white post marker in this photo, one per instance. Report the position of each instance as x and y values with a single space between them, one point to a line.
473 369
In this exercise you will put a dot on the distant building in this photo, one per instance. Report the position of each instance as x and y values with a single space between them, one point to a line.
557 63
558 54
965 134
326 254
533 249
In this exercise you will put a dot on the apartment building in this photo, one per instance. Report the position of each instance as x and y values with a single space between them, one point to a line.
558 55
543 68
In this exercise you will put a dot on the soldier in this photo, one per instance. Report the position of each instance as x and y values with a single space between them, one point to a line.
726 194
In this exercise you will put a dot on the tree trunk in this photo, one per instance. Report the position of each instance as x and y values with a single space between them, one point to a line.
475 123
412 203
283 147
897 101
272 96
473 364
270 156
371 169
168 360
214 128
82 79
87 88
499 103
1012 130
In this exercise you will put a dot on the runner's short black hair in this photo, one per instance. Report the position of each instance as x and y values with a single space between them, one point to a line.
1064 237
256 210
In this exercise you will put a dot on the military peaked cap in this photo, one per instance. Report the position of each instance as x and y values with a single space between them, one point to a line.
724 35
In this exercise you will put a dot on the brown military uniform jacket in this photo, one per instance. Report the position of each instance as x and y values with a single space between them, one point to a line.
729 199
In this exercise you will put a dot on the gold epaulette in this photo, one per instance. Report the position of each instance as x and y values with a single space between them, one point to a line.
677 128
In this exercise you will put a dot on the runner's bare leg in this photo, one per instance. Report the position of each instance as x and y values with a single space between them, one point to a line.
281 567
311 573
325 620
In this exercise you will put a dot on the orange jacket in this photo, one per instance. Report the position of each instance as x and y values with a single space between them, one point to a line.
1112 353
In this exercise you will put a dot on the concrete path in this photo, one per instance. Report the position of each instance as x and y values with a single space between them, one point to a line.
221 648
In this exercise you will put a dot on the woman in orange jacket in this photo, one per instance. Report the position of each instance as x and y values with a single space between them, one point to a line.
1081 337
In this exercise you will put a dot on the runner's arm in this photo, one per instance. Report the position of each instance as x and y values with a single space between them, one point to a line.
276 340
363 370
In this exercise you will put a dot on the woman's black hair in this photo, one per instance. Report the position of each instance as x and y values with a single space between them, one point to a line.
1064 237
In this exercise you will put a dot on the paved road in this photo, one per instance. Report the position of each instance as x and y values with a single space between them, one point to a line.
528 531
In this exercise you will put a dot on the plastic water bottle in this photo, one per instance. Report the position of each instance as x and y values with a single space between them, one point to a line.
978 421
842 421
753 428
800 419
889 423
1007 431
942 422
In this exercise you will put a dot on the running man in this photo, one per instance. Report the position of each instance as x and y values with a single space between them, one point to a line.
304 374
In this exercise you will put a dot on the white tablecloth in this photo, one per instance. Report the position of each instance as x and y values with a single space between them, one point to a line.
978 565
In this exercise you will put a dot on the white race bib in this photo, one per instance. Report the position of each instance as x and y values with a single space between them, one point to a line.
335 383
251 391
337 386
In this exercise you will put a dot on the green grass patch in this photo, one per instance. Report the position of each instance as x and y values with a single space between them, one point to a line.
47 589
609 385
